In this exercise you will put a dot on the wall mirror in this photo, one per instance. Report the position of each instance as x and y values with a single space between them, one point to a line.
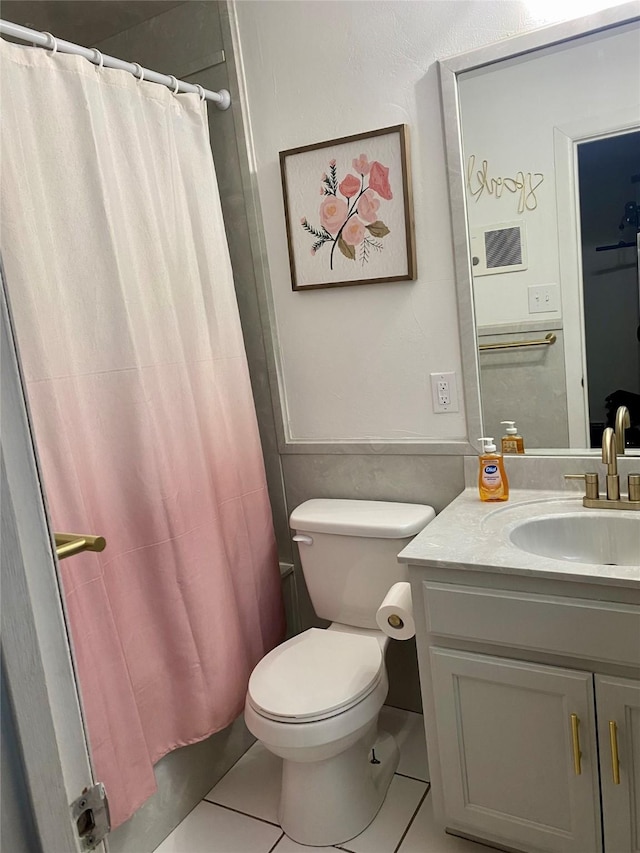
543 149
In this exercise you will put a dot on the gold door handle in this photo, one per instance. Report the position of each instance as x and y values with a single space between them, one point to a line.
575 737
615 760
68 544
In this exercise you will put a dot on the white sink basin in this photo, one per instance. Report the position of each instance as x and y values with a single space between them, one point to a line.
600 538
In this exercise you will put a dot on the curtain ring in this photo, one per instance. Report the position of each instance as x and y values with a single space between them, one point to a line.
53 43
175 84
139 73
98 57
200 91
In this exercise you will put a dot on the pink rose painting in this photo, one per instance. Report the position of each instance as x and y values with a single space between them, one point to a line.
360 228
350 211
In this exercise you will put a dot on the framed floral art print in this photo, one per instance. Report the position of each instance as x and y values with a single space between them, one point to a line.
348 210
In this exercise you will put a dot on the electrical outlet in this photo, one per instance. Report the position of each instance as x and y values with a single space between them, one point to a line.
543 297
444 392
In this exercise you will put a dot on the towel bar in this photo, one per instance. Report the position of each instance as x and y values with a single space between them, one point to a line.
547 341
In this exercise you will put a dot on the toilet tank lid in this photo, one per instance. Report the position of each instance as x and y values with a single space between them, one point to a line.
375 519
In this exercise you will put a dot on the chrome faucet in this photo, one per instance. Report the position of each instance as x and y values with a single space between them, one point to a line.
612 444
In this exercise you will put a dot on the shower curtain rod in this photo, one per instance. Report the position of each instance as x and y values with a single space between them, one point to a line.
222 99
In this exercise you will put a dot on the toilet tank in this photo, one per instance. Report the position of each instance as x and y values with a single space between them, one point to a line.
349 551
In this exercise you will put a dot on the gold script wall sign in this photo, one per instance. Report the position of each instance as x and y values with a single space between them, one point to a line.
524 184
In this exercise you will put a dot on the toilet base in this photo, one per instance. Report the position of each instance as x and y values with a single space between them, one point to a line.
328 802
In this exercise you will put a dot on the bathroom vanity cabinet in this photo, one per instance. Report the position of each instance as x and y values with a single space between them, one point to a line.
530 671
531 693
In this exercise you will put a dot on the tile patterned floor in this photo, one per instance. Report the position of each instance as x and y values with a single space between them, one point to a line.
239 815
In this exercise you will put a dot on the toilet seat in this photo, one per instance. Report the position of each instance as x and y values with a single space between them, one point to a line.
315 675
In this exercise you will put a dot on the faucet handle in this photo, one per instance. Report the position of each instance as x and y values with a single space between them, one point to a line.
592 483
634 487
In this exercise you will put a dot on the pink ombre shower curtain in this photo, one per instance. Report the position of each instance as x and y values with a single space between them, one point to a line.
122 293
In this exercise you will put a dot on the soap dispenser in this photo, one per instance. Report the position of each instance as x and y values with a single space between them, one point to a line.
492 479
512 442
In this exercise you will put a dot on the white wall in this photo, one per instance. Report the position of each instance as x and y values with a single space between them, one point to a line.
509 114
356 360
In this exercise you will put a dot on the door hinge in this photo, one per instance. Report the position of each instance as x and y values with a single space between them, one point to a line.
90 813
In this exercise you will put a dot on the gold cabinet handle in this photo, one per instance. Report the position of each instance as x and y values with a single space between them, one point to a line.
615 760
575 737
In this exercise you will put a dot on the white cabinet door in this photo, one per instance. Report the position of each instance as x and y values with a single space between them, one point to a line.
618 703
510 770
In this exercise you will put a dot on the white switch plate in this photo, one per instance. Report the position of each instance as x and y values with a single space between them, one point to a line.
444 392
543 297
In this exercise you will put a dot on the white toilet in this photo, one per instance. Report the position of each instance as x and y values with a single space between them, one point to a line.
314 701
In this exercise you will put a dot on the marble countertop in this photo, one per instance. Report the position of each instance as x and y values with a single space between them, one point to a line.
472 535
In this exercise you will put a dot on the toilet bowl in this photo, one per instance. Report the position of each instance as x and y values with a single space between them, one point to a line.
314 701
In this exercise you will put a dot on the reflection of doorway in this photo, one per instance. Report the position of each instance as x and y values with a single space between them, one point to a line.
609 191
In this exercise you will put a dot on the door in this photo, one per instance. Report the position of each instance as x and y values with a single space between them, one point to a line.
518 752
35 649
567 139
618 704
609 221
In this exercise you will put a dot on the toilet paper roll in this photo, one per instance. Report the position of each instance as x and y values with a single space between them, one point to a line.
395 614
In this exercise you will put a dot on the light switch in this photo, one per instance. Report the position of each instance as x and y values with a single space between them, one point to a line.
543 297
